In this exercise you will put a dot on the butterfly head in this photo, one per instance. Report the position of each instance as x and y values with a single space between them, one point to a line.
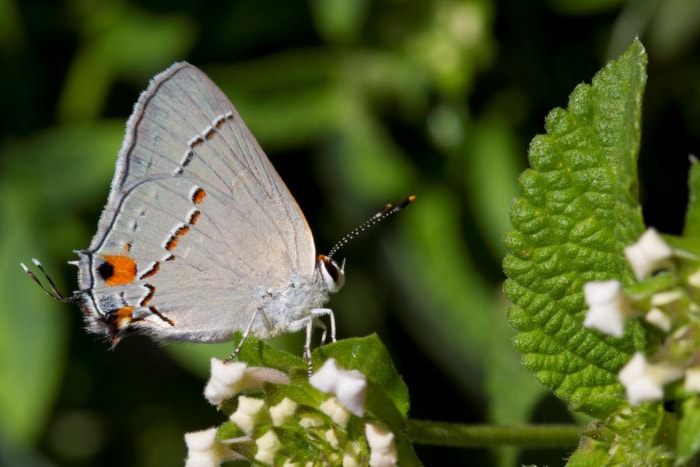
331 274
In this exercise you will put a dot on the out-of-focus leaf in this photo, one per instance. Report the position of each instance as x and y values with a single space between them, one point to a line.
584 7
490 170
32 326
339 21
447 304
122 40
673 28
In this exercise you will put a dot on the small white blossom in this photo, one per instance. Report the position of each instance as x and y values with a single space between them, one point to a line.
230 378
666 298
607 307
248 414
648 254
644 381
351 455
348 386
224 381
694 279
281 411
205 450
382 448
692 379
334 409
311 421
332 438
659 319
268 444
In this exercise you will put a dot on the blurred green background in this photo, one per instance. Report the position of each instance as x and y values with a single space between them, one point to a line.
358 103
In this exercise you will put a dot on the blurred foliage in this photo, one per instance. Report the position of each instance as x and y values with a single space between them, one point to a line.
358 103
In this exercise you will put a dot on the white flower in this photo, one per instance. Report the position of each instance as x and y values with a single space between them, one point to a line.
348 386
334 409
248 414
268 444
230 378
644 381
666 298
382 449
694 279
332 438
281 411
205 450
692 379
351 455
648 254
659 319
607 307
311 421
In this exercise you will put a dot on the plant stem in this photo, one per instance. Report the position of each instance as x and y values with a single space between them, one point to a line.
461 435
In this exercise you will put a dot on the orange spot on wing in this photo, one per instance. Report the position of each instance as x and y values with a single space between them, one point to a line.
125 312
198 196
194 218
149 296
172 243
123 316
180 232
151 272
124 270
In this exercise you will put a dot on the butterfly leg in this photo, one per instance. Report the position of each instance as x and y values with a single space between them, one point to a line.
316 312
310 322
307 344
243 338
320 324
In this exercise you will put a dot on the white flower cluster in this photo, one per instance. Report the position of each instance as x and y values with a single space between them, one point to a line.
348 386
644 381
259 423
609 308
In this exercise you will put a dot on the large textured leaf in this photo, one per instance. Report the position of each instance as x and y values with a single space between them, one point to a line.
578 211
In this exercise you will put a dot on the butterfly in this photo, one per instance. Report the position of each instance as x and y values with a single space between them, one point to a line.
200 236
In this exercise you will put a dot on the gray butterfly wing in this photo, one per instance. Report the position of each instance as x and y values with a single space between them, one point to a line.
198 229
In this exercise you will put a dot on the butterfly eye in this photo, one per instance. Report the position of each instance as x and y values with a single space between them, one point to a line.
332 274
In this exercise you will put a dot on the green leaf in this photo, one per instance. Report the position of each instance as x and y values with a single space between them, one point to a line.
255 352
692 215
688 442
636 436
579 210
369 356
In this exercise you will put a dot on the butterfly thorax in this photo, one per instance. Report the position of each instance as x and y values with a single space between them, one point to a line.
289 304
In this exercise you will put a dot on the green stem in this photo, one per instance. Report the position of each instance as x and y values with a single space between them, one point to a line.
460 435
